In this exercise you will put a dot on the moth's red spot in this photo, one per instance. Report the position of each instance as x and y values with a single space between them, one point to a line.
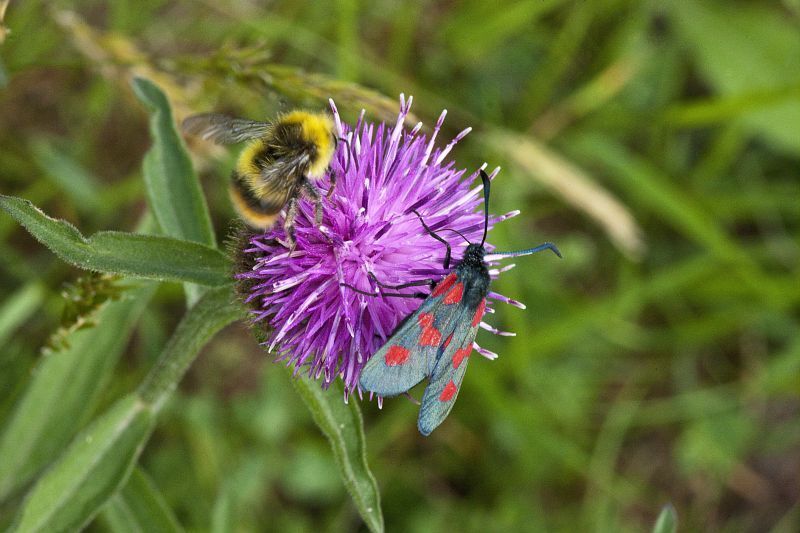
449 391
479 313
443 285
430 335
460 355
455 294
425 320
447 341
396 356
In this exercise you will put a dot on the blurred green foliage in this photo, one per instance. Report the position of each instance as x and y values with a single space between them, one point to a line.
658 362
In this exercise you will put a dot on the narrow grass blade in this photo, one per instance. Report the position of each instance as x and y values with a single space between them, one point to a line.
305 86
667 521
650 188
574 186
64 391
710 111
76 182
18 307
222 516
139 507
344 427
173 190
97 462
101 458
143 256
473 41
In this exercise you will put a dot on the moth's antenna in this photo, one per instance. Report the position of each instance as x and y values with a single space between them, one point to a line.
486 185
546 246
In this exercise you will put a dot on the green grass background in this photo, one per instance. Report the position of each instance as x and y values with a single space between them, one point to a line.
657 143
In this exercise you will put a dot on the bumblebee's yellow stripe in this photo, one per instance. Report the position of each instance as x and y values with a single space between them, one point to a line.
318 129
246 165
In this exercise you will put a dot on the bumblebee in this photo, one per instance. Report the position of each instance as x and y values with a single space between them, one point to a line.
279 164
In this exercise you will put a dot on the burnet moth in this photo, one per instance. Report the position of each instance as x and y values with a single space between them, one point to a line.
437 339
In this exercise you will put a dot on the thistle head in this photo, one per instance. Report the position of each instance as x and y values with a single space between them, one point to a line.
386 173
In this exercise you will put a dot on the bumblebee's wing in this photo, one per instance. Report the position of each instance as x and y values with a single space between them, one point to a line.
224 129
440 394
411 352
285 165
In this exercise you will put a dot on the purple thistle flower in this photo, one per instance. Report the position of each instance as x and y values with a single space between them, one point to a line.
384 173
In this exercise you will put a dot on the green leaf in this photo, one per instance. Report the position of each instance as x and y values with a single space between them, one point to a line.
173 190
139 507
64 391
143 256
342 424
97 462
762 42
100 459
667 521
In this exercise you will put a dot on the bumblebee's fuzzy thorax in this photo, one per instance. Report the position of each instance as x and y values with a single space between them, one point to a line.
317 130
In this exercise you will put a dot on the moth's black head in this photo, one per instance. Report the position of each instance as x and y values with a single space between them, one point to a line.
473 255
473 273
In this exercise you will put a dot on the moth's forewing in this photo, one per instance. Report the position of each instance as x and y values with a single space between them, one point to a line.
411 352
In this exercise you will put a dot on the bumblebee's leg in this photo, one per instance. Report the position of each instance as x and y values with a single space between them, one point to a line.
288 223
333 185
311 192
